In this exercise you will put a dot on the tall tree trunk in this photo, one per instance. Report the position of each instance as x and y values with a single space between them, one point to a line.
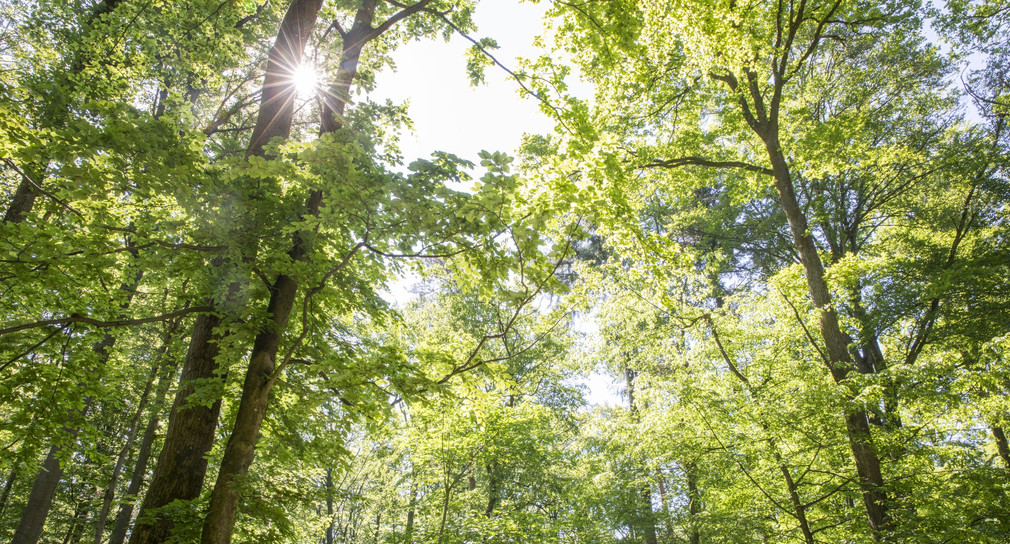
329 506
871 481
1001 445
8 484
143 456
261 373
182 464
240 449
408 532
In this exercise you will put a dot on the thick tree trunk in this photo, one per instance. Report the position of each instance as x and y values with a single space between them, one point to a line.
40 499
1001 445
143 456
871 481
260 376
24 198
182 463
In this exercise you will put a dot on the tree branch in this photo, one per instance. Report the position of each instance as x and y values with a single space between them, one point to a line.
77 318
701 161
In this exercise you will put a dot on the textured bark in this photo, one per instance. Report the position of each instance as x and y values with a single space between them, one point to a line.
694 503
274 120
41 497
260 376
182 463
1001 445
871 481
6 495
24 198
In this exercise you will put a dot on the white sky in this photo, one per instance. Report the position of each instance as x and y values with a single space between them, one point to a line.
450 115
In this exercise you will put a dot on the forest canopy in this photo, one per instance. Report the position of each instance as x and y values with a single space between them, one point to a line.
232 309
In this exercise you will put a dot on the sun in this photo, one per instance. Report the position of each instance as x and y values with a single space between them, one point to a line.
305 79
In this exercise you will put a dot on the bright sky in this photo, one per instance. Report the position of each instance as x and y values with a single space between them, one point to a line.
450 115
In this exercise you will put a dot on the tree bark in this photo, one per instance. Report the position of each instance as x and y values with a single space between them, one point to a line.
408 532
1001 445
871 481
182 462
260 376
693 503
274 119
8 484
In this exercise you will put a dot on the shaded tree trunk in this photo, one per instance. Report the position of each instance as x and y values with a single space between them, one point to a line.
693 503
871 481
408 533
8 484
182 462
288 49
1001 445
329 506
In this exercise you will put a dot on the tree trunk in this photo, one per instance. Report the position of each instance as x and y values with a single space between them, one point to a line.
182 465
190 435
329 506
408 533
260 376
1001 445
693 503
6 495
871 482
40 499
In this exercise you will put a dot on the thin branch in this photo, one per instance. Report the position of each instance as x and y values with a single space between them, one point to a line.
396 18
806 331
518 79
